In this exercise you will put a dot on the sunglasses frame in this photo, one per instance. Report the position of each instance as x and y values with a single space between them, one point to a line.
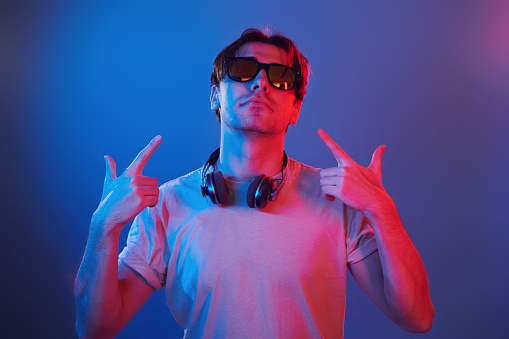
265 67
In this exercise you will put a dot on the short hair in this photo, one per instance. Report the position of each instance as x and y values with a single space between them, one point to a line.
295 59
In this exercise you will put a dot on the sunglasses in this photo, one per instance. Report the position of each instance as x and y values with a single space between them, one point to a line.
246 69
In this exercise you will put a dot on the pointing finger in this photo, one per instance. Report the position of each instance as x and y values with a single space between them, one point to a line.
136 167
111 169
338 153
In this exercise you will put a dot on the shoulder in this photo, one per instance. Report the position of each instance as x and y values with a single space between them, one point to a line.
301 167
305 178
302 172
189 179
182 188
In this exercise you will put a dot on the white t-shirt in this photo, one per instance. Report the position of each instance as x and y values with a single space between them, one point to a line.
237 272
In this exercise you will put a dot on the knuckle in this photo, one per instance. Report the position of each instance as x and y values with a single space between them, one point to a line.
138 180
150 201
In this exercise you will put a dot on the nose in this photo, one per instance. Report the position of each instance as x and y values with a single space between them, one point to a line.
260 82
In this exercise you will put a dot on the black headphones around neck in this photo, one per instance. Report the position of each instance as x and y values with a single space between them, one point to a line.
261 190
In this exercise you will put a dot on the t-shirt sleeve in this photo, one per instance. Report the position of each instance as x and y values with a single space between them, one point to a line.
360 239
147 248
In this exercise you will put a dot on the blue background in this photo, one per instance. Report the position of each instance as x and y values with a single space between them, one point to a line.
430 79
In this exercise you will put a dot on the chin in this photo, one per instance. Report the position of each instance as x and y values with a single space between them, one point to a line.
262 130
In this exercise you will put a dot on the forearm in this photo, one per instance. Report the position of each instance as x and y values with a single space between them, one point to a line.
405 280
98 298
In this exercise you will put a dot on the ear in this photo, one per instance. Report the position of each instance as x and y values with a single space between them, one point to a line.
214 98
295 112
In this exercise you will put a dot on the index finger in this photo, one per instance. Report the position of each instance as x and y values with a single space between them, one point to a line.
136 167
338 153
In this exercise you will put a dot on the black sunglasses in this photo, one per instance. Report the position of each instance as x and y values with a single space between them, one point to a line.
246 69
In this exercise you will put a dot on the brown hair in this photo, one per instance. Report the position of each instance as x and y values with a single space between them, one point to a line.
295 59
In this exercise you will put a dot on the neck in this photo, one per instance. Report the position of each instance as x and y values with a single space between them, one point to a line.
245 155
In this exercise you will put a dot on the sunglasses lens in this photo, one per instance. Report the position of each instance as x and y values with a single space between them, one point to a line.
242 70
282 77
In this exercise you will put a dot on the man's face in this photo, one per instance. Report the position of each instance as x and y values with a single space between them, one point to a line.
256 106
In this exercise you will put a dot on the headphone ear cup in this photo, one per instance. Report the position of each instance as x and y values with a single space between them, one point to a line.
220 188
251 191
215 188
258 191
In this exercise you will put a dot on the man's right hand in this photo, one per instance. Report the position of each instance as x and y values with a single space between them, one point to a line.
126 196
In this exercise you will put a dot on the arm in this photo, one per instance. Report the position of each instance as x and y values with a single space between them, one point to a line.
107 292
394 277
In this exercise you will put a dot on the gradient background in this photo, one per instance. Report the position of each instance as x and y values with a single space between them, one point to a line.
430 79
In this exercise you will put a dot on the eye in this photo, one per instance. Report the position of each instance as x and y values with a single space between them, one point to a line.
282 77
242 69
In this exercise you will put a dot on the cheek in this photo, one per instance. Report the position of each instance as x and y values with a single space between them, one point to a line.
232 95
225 99
289 106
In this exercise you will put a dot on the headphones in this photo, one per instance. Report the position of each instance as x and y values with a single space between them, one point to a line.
261 190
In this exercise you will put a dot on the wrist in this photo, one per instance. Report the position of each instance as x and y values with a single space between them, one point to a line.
101 226
382 207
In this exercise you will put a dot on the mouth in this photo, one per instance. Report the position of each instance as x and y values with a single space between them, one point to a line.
257 102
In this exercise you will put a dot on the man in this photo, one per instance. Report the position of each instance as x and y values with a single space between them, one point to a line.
254 244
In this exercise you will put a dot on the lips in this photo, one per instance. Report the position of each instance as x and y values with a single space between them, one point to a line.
257 102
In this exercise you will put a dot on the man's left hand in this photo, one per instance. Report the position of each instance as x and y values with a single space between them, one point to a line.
359 187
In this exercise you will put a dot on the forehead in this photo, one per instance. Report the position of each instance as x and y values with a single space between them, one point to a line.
263 52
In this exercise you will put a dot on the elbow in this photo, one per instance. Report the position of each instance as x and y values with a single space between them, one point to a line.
87 327
422 326
421 323
428 321
90 325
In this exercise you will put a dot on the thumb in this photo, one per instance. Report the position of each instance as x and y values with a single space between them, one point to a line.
111 169
376 160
